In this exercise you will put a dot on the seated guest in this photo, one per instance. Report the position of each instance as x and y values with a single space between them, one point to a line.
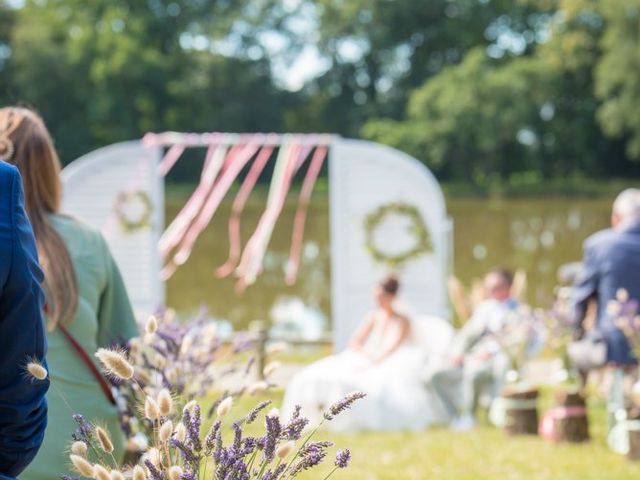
381 361
23 408
87 304
475 361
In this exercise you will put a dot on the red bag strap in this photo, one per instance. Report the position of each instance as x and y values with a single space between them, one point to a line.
106 389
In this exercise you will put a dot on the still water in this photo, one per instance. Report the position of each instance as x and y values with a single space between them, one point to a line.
537 235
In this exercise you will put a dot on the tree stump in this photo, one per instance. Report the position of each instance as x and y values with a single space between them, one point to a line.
634 435
572 423
521 410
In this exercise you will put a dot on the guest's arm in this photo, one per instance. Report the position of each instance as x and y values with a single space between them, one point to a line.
23 408
361 335
469 334
585 287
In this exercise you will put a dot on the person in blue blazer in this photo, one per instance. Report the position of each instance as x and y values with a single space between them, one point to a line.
611 263
23 408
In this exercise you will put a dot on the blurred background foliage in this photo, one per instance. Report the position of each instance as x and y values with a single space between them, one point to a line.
482 91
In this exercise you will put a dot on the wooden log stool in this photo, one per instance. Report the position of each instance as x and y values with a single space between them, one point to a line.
521 410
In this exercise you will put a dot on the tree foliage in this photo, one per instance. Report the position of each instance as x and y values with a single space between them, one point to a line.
479 90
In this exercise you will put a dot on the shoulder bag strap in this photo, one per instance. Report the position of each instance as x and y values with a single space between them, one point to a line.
106 389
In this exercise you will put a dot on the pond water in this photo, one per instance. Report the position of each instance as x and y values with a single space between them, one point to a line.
537 235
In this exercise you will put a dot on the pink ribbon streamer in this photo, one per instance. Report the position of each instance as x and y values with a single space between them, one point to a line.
210 172
238 206
215 197
253 256
301 214
547 428
170 159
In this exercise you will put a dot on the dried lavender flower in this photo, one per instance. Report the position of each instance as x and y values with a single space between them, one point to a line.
343 405
342 458
253 414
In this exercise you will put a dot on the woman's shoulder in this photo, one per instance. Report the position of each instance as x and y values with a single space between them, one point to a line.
77 232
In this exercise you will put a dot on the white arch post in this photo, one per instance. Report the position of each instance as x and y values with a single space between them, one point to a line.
115 181
365 176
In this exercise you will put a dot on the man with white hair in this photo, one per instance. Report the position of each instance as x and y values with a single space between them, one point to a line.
612 262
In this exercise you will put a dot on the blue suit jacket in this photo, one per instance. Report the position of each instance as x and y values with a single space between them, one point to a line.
611 261
23 408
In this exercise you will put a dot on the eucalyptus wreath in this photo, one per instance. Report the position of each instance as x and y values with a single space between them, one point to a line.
422 240
143 220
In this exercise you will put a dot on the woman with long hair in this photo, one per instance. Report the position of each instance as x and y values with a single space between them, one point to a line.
87 306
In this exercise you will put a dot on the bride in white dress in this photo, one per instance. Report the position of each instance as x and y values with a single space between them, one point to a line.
383 361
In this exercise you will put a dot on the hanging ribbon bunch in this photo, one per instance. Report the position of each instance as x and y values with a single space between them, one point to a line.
226 157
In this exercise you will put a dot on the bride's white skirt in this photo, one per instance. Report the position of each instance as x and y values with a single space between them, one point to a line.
396 397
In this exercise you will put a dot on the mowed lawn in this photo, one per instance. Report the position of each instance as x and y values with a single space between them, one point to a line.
485 453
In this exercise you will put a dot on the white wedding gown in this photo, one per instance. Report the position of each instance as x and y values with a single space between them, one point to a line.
396 397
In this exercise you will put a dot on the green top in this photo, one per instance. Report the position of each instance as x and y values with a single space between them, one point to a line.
104 317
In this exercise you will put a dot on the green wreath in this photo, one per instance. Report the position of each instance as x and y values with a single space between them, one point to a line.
422 240
143 220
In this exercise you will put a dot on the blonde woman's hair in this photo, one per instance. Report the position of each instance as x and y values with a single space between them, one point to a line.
26 143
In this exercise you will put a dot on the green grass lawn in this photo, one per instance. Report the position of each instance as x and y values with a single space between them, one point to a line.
485 453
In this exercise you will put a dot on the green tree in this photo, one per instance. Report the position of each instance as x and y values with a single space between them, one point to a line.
475 118
618 71
379 50
534 112
106 71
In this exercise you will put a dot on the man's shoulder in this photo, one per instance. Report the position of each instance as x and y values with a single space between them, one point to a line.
601 239
8 174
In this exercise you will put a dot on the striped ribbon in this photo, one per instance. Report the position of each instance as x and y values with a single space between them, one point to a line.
233 169
297 236
239 202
